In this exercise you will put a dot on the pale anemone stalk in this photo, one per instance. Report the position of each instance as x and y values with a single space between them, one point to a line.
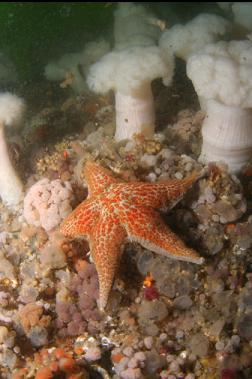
11 187
221 74
130 73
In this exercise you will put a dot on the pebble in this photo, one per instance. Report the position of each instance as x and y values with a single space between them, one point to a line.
131 373
180 334
209 195
216 328
245 326
166 153
122 365
133 363
140 356
178 175
199 345
188 167
154 362
128 351
215 218
174 367
144 260
163 337
219 346
153 310
170 358
38 336
182 302
148 342
151 329
9 359
235 339
226 211
148 160
190 376
16 349
3 333
151 177
180 361
93 353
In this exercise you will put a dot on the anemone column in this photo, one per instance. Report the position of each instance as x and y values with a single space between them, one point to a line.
227 135
221 75
135 114
129 74
11 110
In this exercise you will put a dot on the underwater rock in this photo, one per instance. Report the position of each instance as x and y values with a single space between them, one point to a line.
214 239
144 259
131 373
244 326
9 359
155 310
38 336
6 268
153 362
199 345
182 302
148 160
52 256
3 334
226 210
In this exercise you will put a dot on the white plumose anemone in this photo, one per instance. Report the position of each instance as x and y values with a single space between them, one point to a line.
130 73
134 25
184 40
222 76
11 110
77 65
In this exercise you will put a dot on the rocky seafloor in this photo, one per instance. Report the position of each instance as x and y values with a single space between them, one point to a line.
165 318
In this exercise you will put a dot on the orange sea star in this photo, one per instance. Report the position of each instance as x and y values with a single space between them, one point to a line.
116 210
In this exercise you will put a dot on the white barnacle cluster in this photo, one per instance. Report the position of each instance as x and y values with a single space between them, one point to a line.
47 203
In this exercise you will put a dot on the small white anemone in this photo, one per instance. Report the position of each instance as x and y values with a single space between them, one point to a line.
184 40
130 73
134 25
74 66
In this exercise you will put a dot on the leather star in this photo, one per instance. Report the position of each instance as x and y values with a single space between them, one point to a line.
116 211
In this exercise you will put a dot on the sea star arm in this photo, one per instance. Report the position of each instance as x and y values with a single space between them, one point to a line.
81 221
98 178
161 195
145 226
106 248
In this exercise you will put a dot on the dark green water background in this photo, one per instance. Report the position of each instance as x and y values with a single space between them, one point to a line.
32 33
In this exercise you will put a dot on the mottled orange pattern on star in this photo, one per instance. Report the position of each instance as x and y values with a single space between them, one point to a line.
116 211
